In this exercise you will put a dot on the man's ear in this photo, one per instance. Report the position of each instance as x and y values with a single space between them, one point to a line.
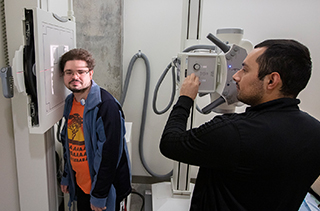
91 73
274 81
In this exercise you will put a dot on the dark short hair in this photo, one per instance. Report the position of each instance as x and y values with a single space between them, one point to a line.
290 59
77 54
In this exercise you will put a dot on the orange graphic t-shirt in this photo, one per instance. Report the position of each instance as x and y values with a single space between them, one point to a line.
77 148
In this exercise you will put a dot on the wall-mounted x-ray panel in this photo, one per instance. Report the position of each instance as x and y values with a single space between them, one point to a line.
52 38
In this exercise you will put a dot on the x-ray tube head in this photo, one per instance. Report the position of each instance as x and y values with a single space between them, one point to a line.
215 69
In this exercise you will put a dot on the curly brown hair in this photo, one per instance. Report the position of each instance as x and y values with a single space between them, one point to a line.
77 54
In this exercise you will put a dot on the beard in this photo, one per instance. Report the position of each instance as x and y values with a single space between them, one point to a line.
76 90
252 97
250 100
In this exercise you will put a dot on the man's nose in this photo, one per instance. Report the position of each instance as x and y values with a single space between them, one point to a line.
75 74
236 77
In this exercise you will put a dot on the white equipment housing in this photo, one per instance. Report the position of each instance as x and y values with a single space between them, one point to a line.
37 38
215 70
52 38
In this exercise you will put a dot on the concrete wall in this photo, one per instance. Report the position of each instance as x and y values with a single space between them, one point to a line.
99 30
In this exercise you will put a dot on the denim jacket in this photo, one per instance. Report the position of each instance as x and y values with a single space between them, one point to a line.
107 154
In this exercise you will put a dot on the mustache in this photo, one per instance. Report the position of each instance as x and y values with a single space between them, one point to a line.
74 80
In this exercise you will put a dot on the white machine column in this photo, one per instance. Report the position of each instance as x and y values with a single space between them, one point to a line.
35 143
35 163
176 195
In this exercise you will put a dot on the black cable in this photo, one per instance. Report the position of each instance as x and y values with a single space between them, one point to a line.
58 130
141 196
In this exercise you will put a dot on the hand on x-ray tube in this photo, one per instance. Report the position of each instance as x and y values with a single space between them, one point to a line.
190 86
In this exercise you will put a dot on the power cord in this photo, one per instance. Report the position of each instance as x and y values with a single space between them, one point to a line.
141 196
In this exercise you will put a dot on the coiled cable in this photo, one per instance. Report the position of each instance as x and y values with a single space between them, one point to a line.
146 93
144 109
173 93
4 33
163 75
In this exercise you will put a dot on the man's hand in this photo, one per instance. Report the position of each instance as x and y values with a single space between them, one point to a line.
190 86
64 189
97 208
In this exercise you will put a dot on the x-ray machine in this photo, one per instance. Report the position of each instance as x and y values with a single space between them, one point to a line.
36 37
214 65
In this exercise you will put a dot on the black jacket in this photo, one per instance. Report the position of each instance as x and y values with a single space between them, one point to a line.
264 159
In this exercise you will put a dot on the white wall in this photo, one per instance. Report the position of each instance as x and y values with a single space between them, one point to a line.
154 27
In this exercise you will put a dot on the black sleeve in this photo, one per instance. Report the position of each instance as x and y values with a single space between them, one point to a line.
213 144
109 138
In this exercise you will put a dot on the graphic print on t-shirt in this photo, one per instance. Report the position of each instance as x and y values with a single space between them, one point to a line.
77 148
76 143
